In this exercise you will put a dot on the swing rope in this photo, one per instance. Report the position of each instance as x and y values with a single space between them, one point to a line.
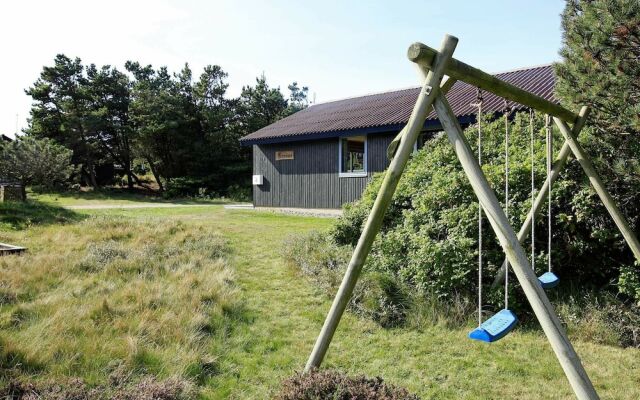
533 194
502 322
506 195
549 143
479 104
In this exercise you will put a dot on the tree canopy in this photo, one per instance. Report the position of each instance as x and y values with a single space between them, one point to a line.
601 62
185 130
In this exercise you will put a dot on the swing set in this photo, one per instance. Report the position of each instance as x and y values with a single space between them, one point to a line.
505 320
433 65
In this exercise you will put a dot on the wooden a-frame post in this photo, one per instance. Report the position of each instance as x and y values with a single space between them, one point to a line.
536 296
433 65
430 88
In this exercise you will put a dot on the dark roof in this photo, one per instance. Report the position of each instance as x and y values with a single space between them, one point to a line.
6 138
389 111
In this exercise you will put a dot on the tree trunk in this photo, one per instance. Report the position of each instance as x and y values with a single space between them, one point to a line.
127 168
127 157
154 171
92 174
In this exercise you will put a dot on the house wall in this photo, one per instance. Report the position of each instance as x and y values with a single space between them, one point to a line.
311 179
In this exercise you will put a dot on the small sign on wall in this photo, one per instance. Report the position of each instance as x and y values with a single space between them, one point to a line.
284 155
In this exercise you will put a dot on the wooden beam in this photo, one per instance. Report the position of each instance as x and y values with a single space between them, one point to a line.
598 185
541 198
430 89
424 56
540 304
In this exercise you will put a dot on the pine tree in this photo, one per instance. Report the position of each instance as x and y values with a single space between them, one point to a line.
601 69
601 62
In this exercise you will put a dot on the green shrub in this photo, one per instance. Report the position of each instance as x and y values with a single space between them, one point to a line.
321 385
377 296
38 162
207 187
429 238
600 318
239 193
185 187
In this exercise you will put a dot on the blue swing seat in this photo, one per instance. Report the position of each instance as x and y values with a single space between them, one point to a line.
495 328
548 280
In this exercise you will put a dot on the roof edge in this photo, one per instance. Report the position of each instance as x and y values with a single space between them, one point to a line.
429 125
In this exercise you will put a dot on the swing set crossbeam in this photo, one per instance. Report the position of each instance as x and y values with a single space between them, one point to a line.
433 66
424 56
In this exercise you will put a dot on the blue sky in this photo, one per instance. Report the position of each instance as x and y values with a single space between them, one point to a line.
337 48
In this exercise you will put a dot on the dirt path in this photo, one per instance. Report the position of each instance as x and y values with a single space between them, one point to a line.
140 205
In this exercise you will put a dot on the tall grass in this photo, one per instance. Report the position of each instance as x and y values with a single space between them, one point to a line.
112 293
593 317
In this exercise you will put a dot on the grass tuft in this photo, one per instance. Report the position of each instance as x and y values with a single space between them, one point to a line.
148 294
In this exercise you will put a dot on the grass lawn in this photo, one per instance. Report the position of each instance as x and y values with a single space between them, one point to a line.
203 294
110 197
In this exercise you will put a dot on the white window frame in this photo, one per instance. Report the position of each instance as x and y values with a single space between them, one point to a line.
366 156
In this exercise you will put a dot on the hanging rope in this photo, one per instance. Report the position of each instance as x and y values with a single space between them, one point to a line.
549 143
479 104
533 194
506 195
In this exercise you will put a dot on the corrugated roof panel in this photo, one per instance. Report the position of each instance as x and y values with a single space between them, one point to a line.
394 108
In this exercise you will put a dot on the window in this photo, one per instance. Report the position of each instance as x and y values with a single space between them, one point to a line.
353 156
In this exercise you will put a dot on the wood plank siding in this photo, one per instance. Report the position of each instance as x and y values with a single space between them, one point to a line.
311 179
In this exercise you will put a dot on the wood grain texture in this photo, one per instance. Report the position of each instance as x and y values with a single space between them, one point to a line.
430 89
517 257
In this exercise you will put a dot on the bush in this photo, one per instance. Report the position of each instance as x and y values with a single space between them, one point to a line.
320 385
186 187
206 188
600 318
38 162
239 193
429 238
377 296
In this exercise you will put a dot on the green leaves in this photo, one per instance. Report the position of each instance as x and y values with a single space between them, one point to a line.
601 62
430 236
184 131
39 162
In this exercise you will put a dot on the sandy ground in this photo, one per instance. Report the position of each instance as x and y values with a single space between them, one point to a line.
315 212
139 205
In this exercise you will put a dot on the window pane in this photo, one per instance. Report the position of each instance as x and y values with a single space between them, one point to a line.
353 154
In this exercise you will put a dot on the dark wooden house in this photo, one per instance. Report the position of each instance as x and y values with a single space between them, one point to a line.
324 155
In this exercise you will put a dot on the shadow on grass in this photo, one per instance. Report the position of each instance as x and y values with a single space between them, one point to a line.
135 195
14 360
22 215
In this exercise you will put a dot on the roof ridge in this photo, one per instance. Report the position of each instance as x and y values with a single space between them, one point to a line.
365 95
376 93
523 69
